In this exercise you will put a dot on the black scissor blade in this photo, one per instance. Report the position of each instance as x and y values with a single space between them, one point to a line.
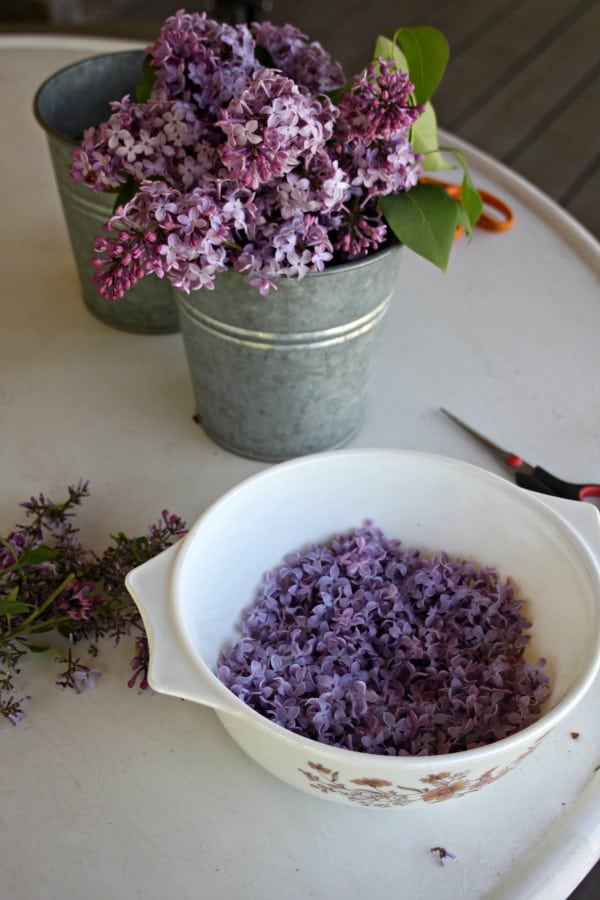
512 462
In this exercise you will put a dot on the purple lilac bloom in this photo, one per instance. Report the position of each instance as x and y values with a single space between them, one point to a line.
11 548
360 234
295 247
78 600
384 167
162 230
12 710
55 582
161 138
84 678
321 189
139 664
377 106
443 854
234 165
365 645
271 128
305 61
198 59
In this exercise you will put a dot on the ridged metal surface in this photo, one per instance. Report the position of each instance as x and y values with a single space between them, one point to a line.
66 104
287 374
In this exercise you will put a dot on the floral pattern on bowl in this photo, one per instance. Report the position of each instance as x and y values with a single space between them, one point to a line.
381 793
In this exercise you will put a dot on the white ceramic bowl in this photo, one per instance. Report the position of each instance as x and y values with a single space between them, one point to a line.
191 598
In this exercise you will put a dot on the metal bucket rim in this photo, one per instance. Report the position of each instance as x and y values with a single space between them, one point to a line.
363 261
41 119
335 269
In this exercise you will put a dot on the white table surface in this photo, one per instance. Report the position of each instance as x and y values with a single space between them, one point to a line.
115 794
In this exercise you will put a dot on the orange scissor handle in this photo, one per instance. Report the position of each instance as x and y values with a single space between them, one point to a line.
493 223
487 221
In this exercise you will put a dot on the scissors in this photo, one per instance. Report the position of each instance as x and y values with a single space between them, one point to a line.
503 222
534 478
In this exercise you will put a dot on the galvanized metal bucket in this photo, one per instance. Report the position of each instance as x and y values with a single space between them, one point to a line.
284 375
71 100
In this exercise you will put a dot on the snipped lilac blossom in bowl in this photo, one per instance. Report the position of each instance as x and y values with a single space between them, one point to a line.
366 645
246 148
496 639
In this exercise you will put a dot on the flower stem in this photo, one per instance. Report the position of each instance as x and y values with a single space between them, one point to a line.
39 610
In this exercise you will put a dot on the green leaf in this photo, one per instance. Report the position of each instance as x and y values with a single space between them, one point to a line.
65 629
38 611
31 558
427 52
13 609
37 555
42 627
125 192
263 56
337 93
10 606
145 87
424 139
464 220
470 198
424 219
388 49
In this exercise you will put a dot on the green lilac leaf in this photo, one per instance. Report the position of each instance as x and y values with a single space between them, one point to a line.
427 52
336 94
43 627
64 629
388 49
145 87
37 555
423 219
13 609
463 219
470 197
263 56
424 139
125 192
10 606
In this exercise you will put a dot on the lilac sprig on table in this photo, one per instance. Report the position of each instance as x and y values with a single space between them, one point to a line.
51 585
363 644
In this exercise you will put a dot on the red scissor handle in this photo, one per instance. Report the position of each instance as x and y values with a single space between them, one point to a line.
588 491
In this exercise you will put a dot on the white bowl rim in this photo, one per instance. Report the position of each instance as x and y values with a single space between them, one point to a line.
234 707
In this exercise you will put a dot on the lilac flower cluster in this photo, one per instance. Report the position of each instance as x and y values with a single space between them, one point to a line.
51 584
305 62
78 600
368 646
238 164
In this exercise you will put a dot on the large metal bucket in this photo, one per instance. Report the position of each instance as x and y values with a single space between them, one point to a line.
67 103
284 375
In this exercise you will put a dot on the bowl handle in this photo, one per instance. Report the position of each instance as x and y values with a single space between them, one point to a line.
170 670
583 517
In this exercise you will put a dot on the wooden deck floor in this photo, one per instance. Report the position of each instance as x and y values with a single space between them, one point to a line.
523 82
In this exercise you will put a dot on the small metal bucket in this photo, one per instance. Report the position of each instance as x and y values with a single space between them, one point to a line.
285 375
67 103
